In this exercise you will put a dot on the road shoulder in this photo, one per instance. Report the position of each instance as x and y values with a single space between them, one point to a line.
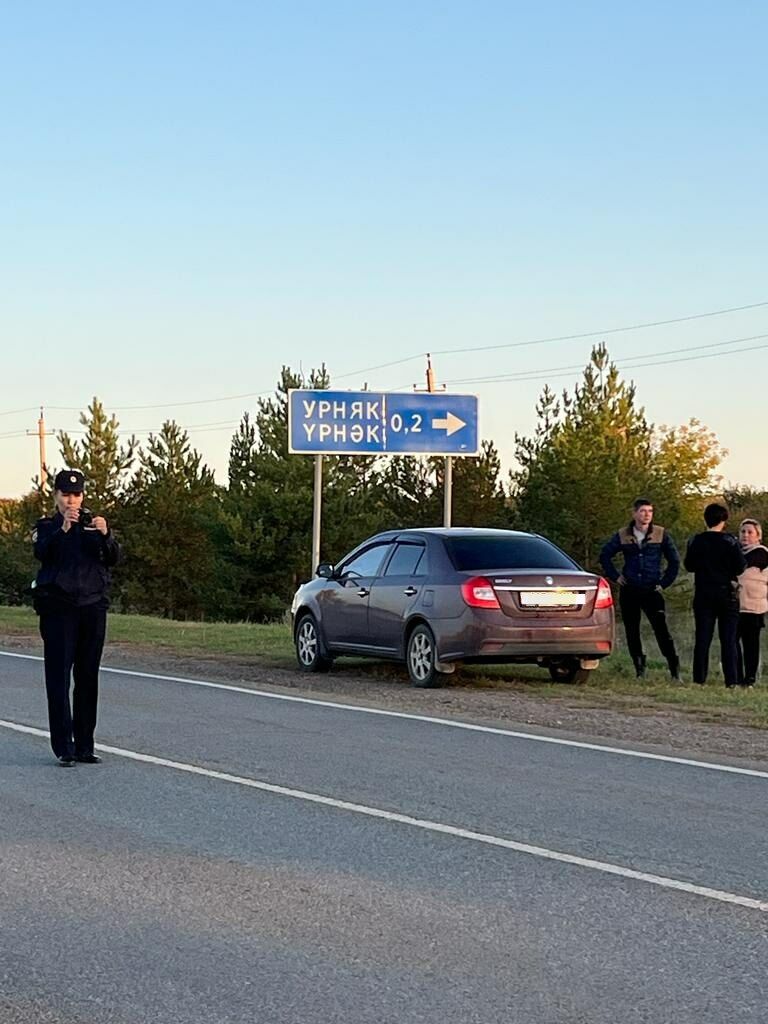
657 728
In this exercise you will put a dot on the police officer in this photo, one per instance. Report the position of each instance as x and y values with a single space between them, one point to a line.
644 547
76 549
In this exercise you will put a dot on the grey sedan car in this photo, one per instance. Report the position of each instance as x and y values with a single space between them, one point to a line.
435 598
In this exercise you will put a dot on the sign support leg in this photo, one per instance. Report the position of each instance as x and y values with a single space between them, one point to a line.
447 491
317 505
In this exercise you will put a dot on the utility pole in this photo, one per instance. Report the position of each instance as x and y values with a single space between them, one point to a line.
448 460
41 433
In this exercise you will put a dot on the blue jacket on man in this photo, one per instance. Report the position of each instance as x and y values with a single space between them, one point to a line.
642 561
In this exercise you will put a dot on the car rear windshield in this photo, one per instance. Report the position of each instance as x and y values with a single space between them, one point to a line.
479 554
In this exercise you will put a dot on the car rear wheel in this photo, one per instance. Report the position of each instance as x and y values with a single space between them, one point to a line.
568 671
309 653
421 658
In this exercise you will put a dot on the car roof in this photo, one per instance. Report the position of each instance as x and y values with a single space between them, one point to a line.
453 531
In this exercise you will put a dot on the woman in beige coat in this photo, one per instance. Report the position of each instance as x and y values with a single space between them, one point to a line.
753 599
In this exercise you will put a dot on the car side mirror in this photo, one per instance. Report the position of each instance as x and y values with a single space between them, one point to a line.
325 571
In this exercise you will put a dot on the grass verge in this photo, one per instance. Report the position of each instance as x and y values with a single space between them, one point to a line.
269 643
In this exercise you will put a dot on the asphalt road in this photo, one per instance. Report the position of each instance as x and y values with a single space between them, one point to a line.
240 858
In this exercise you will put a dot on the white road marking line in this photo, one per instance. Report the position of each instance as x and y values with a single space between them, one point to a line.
469 726
422 823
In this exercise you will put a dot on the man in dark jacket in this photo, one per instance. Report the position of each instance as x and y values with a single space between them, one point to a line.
76 549
644 547
716 560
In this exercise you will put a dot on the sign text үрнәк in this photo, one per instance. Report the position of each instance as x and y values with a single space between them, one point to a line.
371 423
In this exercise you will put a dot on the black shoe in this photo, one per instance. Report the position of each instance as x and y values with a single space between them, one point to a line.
640 666
66 761
674 669
88 758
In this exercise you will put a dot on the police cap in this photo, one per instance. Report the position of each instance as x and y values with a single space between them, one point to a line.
69 481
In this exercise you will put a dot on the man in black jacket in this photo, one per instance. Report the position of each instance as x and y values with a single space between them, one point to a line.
644 547
716 560
76 549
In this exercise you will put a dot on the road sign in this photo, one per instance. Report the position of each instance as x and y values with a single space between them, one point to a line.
381 423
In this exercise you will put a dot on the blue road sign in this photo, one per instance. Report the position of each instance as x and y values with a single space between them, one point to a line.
381 423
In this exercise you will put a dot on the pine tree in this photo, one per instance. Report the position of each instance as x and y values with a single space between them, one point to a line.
478 493
413 493
171 531
104 461
593 452
268 507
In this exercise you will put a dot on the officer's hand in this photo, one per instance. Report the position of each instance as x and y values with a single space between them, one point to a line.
621 581
100 524
69 515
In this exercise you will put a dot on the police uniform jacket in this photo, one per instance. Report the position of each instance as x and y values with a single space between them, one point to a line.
642 562
75 565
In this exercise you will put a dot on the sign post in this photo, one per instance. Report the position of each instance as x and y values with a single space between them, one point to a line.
317 503
379 423
447 490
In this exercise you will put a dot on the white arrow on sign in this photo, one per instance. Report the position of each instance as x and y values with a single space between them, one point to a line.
450 424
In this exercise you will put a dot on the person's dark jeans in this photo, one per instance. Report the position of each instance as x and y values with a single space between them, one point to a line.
748 650
636 601
719 608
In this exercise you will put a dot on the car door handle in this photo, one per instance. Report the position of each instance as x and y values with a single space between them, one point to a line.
411 591
363 592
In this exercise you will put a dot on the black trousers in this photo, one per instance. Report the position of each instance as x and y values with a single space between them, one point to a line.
721 609
73 639
748 650
636 601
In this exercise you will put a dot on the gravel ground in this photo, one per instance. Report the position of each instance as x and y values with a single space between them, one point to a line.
684 732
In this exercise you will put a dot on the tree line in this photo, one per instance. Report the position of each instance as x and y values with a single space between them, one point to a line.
194 548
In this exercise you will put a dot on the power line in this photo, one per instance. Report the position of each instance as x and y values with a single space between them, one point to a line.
560 337
17 412
443 351
542 375
522 378
216 425
592 334
170 405
524 374
381 366
545 376
420 355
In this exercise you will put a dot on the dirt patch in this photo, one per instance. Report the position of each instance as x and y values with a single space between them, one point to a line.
685 732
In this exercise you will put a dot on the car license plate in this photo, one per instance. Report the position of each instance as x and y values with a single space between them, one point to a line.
551 599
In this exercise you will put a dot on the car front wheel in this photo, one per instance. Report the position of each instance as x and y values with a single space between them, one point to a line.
568 671
309 654
421 658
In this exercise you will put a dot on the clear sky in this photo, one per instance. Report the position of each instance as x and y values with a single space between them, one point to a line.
193 194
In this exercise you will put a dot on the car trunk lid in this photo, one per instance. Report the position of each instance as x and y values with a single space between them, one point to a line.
538 593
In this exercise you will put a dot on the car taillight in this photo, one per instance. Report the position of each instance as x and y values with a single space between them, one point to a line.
479 593
604 597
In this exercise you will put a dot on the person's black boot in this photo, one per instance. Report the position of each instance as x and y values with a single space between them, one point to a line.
674 669
90 758
640 666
